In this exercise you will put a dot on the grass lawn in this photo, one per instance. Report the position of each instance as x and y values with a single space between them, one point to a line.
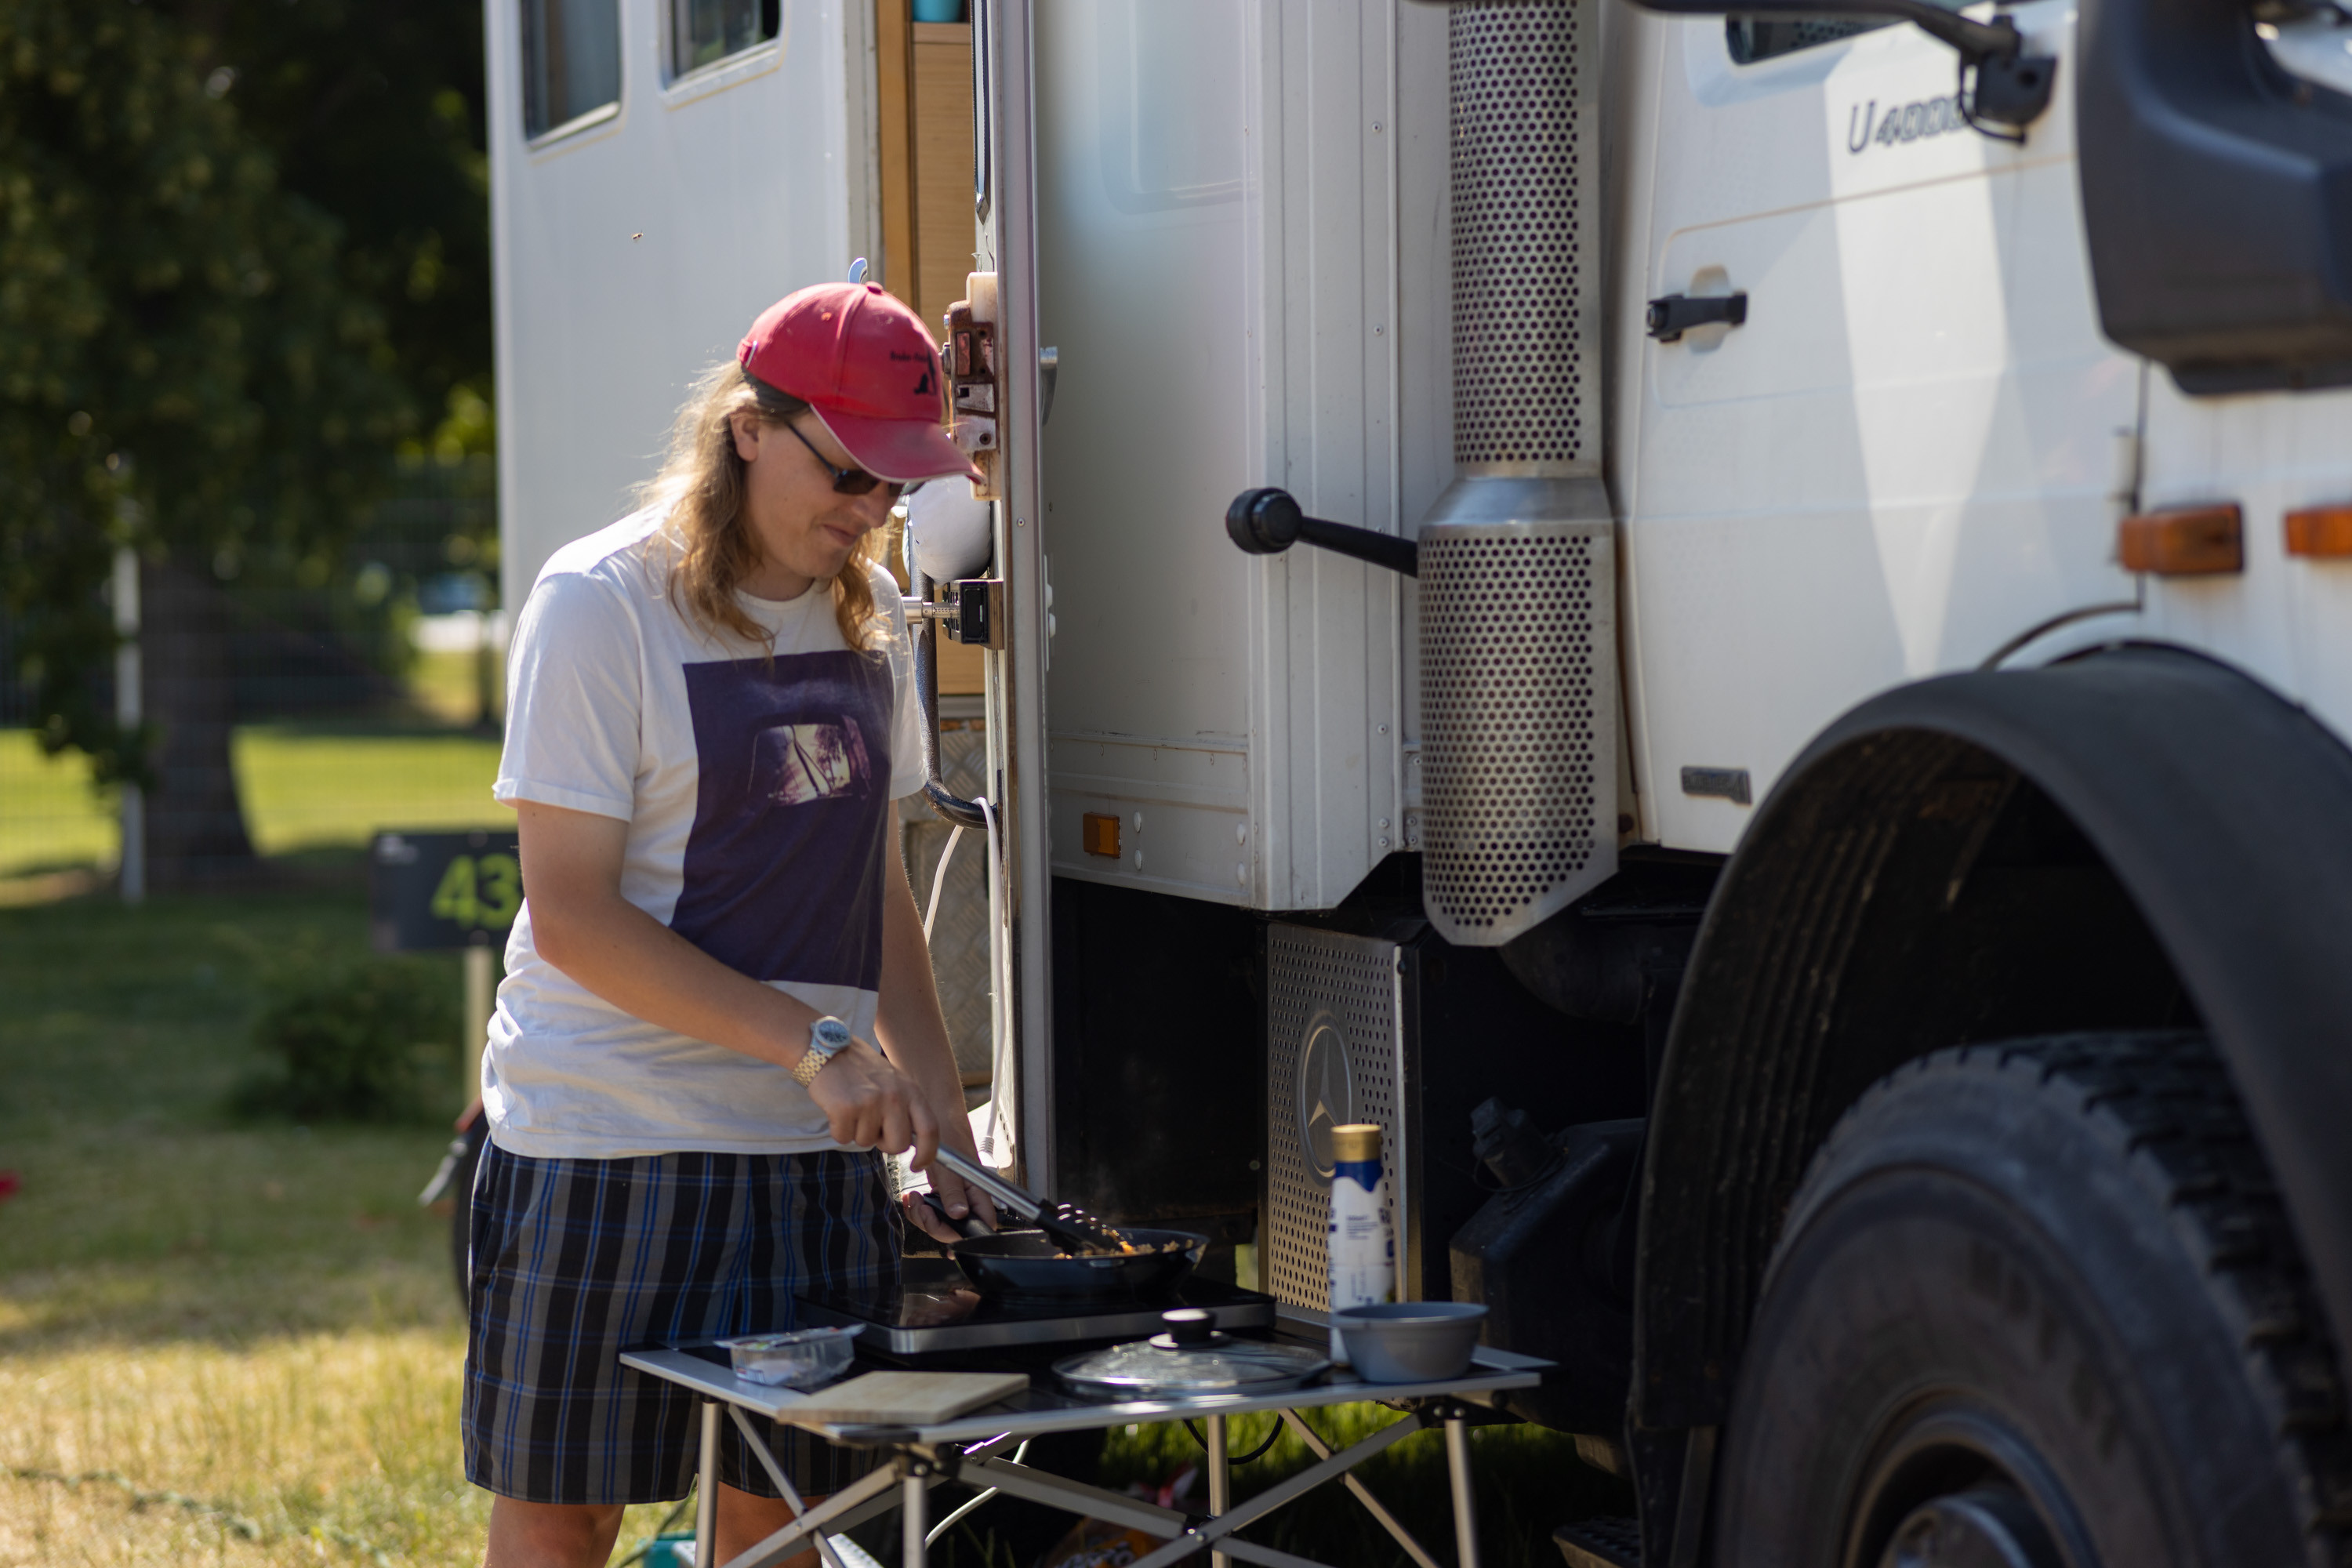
305 787
49 818
256 1318
315 787
238 1343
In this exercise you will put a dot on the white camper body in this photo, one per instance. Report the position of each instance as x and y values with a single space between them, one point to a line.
1912 454
634 243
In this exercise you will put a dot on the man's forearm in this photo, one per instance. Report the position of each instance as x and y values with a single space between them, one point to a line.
582 925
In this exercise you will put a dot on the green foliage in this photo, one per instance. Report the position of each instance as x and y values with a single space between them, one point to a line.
361 1040
244 260
375 114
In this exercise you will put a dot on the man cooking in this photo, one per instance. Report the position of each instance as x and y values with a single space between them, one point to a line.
718 1008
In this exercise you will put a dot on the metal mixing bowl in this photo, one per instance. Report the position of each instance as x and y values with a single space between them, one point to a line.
1410 1342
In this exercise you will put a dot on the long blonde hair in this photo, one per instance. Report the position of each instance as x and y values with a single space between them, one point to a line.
700 492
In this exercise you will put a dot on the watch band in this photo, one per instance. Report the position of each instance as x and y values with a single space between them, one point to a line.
827 1038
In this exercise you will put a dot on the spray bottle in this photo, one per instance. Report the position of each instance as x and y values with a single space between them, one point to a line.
1362 1243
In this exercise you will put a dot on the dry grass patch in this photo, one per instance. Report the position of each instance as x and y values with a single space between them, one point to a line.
342 1446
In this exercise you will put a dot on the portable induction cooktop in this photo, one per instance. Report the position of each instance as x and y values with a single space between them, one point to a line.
933 1310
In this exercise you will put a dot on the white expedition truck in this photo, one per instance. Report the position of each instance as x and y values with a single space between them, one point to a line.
1779 718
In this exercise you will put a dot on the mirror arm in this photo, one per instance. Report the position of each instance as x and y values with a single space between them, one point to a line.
1976 41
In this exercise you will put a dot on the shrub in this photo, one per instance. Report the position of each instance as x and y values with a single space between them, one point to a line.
372 1039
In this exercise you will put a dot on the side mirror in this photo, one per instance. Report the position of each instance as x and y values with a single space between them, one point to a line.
2011 88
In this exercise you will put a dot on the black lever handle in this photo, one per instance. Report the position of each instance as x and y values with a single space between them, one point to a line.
1268 521
1675 314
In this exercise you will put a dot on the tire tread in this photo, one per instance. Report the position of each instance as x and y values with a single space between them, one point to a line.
2163 1101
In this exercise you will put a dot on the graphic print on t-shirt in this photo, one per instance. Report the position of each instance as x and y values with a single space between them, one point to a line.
795 763
782 878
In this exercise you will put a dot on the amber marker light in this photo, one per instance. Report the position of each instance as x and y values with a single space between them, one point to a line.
1100 836
2193 541
2320 531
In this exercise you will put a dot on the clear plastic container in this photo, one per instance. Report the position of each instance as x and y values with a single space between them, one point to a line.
805 1359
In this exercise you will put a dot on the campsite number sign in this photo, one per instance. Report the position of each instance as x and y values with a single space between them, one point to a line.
432 891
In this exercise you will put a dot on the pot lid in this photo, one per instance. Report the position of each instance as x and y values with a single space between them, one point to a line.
1191 1358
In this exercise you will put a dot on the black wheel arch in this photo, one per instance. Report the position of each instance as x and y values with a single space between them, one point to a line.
2136 838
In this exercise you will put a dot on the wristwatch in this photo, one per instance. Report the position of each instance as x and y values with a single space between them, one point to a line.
828 1037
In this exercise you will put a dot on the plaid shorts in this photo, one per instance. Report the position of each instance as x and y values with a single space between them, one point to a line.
574 1261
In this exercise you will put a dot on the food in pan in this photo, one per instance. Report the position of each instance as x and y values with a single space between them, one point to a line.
1126 1249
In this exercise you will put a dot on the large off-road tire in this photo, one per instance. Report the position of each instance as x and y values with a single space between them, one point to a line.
2036 1305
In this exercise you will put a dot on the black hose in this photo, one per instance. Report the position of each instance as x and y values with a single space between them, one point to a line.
945 803
1254 1456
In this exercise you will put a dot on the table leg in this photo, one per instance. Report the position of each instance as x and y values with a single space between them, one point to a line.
1221 1480
706 1499
915 1516
1466 1512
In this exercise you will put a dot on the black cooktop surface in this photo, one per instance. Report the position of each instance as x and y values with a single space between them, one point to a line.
933 1310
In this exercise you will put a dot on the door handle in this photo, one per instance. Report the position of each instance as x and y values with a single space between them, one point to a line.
1675 314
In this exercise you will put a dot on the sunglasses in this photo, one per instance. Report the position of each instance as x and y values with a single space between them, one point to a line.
847 481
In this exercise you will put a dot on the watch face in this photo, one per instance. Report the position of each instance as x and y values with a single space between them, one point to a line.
829 1034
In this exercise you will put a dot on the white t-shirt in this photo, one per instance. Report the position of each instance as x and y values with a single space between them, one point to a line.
757 795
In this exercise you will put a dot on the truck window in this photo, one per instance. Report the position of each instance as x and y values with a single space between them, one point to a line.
1753 38
703 31
571 62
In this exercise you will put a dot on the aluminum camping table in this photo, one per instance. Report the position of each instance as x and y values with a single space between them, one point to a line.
972 1449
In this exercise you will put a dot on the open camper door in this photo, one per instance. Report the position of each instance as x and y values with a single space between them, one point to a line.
1005 203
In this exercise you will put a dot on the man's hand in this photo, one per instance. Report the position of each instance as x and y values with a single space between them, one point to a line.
954 1196
869 1104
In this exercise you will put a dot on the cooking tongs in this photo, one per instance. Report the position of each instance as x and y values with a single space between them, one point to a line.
1071 1229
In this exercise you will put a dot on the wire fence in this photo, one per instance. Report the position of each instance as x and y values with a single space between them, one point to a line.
359 690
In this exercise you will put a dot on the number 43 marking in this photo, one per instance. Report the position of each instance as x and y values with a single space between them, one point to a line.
479 891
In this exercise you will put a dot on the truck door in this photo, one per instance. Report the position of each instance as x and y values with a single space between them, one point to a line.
1906 454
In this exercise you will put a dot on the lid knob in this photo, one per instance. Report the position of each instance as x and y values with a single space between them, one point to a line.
1189 1326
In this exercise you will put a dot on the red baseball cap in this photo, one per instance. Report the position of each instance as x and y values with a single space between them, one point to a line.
863 361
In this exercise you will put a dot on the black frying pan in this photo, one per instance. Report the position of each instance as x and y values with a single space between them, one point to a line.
1032 1265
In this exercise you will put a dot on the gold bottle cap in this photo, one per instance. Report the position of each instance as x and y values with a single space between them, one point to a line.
1356 1142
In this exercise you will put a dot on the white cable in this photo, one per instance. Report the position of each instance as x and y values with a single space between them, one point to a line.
939 882
1000 1029
941 1527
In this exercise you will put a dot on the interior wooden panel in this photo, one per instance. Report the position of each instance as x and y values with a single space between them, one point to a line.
923 97
962 668
944 224
943 165
899 266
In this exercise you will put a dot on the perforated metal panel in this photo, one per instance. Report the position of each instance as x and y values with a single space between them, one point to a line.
1519 696
1326 992
1526 259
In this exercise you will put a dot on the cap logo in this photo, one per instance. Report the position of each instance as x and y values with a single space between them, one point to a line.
923 387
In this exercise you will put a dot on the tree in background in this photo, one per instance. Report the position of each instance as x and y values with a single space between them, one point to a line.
373 113
243 258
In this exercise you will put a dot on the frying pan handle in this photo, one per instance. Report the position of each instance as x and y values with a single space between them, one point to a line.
971 1225
989 1182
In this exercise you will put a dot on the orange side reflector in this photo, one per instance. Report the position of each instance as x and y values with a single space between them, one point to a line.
2194 541
1101 834
2319 531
